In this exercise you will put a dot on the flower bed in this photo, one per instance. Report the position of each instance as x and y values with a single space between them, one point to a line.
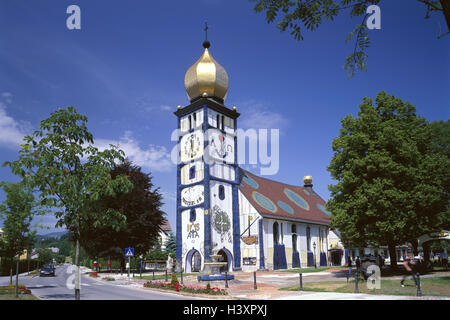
93 274
21 289
183 288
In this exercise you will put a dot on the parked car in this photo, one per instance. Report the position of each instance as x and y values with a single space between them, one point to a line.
47 270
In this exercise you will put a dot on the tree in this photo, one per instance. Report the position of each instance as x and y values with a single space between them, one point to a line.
310 14
141 207
60 161
391 185
18 211
45 255
171 243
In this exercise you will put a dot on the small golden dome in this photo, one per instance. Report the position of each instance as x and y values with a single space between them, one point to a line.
307 179
206 77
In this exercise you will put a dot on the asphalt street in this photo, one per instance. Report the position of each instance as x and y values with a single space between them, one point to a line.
55 288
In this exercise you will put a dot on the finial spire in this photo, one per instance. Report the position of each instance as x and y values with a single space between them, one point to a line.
206 30
206 43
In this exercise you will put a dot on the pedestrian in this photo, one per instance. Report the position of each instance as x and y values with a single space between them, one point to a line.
445 259
358 263
410 266
349 266
109 266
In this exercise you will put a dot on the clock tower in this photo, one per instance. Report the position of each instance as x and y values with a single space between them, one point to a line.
207 173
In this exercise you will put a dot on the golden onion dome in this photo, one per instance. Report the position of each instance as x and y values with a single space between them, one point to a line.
206 77
307 179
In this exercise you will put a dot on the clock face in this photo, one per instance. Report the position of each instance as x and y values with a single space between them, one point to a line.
192 196
191 146
221 146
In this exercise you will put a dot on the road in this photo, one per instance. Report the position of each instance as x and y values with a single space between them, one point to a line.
55 288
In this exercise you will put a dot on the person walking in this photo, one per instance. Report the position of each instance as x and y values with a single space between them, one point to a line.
445 259
349 266
410 266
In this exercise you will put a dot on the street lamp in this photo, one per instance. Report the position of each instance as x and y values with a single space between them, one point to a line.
315 264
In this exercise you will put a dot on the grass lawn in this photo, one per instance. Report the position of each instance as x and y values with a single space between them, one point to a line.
438 286
307 270
163 276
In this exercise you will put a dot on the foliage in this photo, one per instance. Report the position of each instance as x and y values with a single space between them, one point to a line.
297 15
63 243
174 279
392 185
171 243
141 209
17 211
45 255
70 174
157 254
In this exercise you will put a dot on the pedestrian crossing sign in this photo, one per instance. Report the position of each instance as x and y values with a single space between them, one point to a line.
129 252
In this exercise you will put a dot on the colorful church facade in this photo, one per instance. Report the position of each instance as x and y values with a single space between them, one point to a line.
253 222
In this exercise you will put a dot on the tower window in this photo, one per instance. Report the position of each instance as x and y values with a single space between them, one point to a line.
192 173
192 215
223 123
221 192
190 122
217 122
194 115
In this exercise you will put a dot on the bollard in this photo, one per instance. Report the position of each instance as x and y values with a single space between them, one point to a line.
419 291
153 276
226 279
254 280
356 281
181 274
301 282
166 276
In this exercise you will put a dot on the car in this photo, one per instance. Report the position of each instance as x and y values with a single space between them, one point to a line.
47 270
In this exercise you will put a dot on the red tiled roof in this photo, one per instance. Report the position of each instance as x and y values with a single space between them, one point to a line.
166 226
274 199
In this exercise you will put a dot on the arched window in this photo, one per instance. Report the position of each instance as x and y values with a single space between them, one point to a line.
190 122
217 121
192 216
223 123
194 116
276 237
192 173
308 238
294 242
221 192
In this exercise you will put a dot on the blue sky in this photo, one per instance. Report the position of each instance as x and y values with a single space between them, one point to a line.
125 70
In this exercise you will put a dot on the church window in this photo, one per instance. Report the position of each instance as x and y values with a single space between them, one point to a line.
308 238
223 123
190 122
221 192
276 237
194 116
217 122
192 216
192 173
294 228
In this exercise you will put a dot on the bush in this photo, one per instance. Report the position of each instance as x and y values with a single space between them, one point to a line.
174 279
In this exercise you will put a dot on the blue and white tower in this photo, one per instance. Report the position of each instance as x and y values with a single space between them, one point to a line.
207 175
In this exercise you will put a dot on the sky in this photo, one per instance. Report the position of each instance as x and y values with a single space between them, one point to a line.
124 69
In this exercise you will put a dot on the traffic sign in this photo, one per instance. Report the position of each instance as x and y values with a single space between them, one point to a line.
129 252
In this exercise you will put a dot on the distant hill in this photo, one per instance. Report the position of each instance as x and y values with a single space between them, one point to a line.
50 235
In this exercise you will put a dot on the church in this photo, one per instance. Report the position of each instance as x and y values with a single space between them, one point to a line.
254 223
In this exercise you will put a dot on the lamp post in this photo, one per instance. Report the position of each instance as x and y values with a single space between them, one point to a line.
315 264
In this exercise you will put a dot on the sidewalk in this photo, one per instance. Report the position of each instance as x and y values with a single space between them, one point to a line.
268 285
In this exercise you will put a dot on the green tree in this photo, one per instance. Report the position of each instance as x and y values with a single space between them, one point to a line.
142 209
45 255
390 184
17 211
171 243
297 15
60 161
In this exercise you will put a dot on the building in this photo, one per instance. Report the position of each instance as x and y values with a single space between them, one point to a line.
253 222
164 233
